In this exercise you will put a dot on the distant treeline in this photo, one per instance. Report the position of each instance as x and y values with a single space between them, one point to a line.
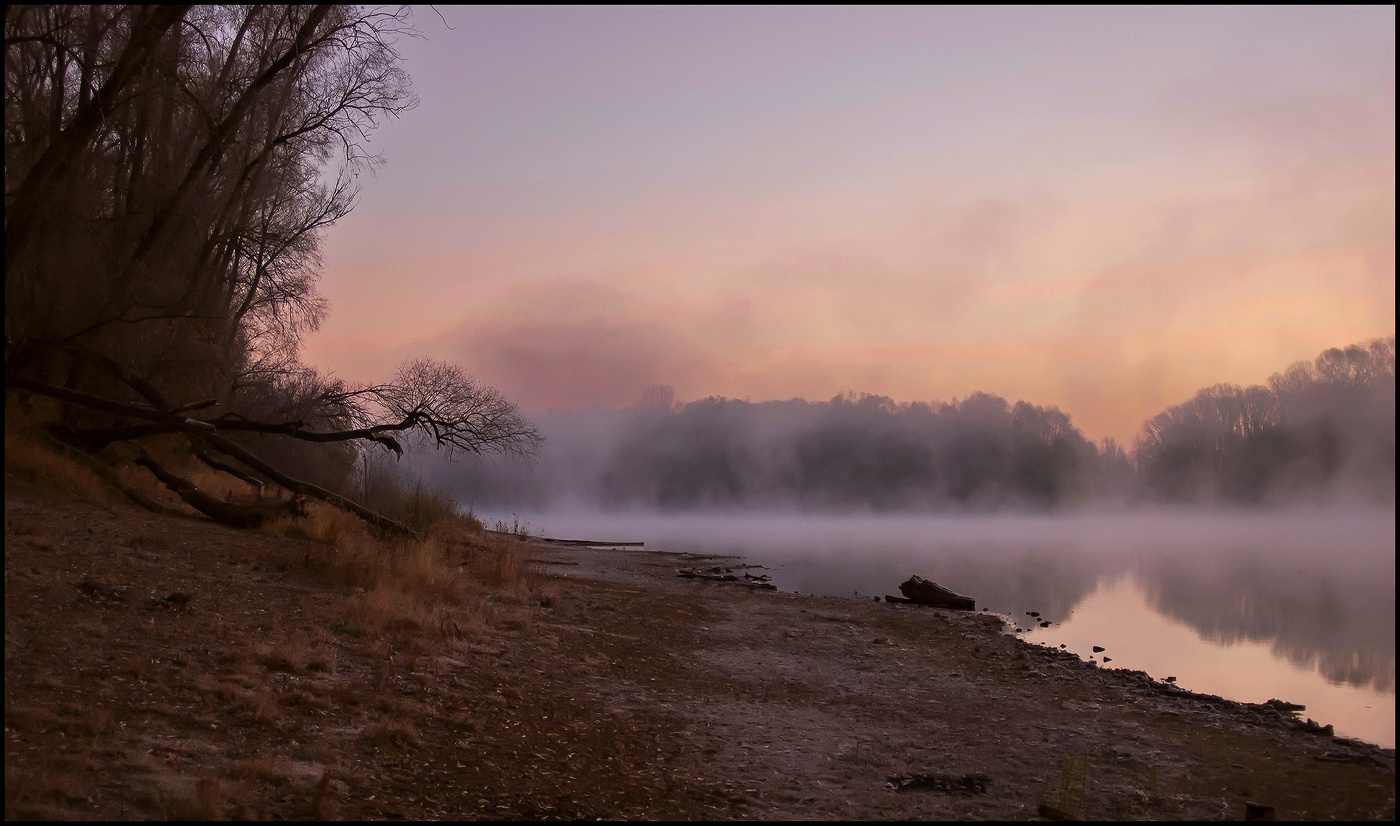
1318 429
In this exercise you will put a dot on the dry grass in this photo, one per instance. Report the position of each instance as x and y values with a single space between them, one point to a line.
173 452
433 588
289 656
415 504
28 457
322 805
263 767
32 455
396 608
262 707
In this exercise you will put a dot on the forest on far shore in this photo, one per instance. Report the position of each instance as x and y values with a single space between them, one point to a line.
1318 431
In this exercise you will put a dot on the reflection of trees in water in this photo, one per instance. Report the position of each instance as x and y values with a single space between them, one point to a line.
1355 667
1047 580
1342 625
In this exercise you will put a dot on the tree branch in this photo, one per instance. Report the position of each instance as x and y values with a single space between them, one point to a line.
306 488
112 478
239 515
231 471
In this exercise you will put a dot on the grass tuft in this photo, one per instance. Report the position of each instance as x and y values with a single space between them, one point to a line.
1066 801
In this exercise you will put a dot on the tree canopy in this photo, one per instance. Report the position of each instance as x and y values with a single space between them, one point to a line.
170 172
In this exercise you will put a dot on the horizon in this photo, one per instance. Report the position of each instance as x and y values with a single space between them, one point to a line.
852 395
1096 210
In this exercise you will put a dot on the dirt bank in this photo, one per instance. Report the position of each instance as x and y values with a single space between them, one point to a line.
629 693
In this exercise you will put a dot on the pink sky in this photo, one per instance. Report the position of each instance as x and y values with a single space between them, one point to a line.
1097 209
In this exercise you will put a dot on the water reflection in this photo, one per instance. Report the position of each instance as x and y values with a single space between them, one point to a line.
1311 593
1339 622
1118 616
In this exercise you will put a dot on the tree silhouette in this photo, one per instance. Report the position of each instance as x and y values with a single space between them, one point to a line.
169 174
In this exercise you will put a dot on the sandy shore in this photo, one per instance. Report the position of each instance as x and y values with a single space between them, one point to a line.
626 693
808 707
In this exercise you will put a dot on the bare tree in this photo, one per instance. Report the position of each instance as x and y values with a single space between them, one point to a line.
169 173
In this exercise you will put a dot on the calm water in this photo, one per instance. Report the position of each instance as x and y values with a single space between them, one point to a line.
1298 606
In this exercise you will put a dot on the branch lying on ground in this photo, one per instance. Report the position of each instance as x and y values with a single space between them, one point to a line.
206 431
169 422
434 398
112 477
297 486
231 471
237 514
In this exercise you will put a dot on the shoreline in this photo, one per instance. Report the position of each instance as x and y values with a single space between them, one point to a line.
623 691
1264 618
1132 694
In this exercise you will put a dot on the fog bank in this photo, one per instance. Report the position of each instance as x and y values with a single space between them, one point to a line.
1319 432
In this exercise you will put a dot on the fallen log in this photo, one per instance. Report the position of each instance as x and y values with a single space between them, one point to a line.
926 592
232 471
715 576
589 543
112 478
236 514
304 488
759 583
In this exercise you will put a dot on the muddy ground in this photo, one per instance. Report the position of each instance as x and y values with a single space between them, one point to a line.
623 692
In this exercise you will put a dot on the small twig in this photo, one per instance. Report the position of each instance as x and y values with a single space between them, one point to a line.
449 26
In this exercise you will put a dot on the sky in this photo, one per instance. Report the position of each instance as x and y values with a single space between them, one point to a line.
1101 210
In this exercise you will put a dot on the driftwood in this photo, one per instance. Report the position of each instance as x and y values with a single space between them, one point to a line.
237 514
589 543
714 576
925 592
717 574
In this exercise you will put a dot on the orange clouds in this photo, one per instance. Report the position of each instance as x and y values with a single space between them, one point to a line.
564 365
1006 298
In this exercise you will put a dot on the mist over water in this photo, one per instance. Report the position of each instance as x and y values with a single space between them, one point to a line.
1266 602
1257 521
1319 432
